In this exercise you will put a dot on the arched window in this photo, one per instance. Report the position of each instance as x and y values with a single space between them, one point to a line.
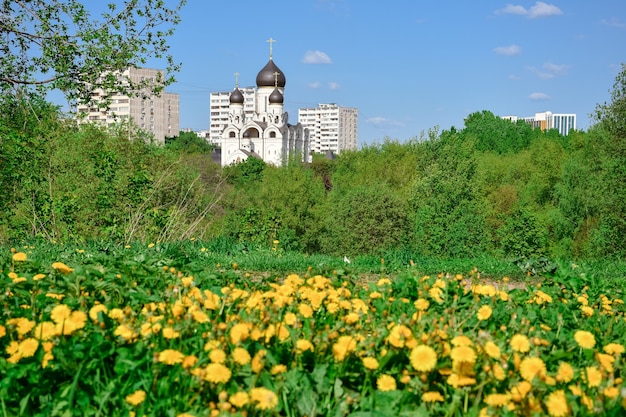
231 135
272 134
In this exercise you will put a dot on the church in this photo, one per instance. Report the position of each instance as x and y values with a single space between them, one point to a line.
266 134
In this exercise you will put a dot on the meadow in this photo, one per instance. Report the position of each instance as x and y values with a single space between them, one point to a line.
197 329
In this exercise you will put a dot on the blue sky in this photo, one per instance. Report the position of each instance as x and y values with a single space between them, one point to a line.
408 66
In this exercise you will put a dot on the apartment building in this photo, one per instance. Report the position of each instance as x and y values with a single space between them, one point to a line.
155 114
220 108
548 120
331 127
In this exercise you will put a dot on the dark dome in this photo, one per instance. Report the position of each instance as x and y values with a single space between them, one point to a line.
236 97
265 77
276 97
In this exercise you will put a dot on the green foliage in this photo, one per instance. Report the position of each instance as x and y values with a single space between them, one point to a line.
246 172
364 220
448 210
189 142
62 46
493 134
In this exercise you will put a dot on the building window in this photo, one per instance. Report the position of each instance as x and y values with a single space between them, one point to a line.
231 135
272 134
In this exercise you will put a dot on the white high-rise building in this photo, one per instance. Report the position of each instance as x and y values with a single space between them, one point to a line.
331 127
548 120
220 108
156 114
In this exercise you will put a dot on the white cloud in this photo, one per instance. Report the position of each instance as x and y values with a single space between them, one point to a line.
508 50
614 22
315 85
540 9
549 70
383 121
539 96
316 57
333 86
514 77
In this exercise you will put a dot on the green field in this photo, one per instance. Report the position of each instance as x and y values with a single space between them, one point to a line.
181 329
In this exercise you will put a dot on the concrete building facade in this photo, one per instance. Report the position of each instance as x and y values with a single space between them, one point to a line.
331 127
547 120
155 114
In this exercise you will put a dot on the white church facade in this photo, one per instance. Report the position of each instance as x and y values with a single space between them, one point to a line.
266 133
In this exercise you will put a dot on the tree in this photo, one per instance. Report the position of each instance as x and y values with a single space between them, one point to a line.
58 45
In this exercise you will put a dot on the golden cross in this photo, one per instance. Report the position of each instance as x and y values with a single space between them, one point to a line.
236 79
276 74
271 41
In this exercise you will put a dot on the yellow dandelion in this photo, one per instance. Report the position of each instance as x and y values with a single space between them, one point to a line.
594 376
421 304
171 357
556 403
614 349
241 356
60 313
370 363
304 345
278 369
22 324
585 339
45 330
532 367
399 335
239 399
463 354
484 313
27 347
386 383
62 268
290 319
170 333
136 397
19 257
458 381
497 400
238 333
3 331
343 347
263 398
565 372
217 356
610 392
432 396
520 391
98 308
587 311
305 310
461 340
492 350
216 373
125 332
423 358
258 361
520 343
189 361
606 361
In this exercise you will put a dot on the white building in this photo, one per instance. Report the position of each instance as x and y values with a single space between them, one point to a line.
264 133
548 120
220 108
331 128
156 114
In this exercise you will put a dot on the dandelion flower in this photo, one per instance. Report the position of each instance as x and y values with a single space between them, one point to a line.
22 324
27 347
278 369
217 356
594 376
421 304
239 399
19 257
463 354
556 403
520 343
239 333
370 363
303 344
171 357
614 349
432 396
610 392
386 383
587 311
263 398
423 358
189 361
461 340
497 400
484 313
343 347
399 335
585 339
45 330
241 356
458 381
532 367
98 308
60 313
565 372
305 310
216 373
170 333
3 330
136 397
606 361
492 350
62 268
